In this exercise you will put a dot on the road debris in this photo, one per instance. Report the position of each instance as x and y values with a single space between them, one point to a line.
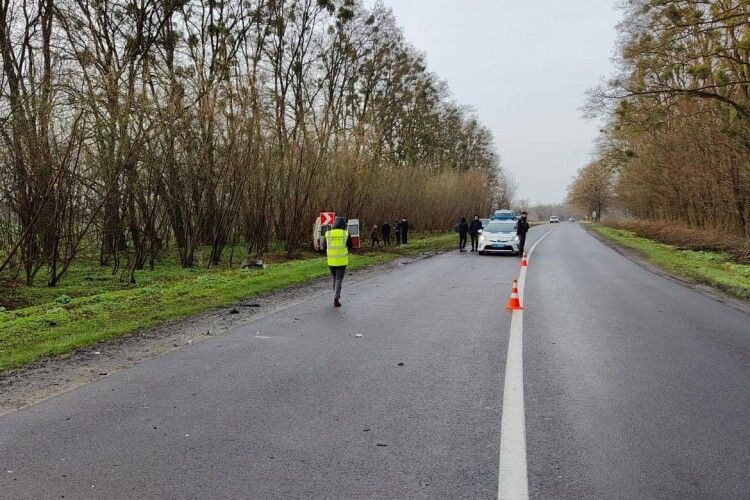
257 264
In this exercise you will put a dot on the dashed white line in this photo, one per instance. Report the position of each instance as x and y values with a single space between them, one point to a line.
513 481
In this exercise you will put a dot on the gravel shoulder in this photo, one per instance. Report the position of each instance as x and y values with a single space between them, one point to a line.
50 377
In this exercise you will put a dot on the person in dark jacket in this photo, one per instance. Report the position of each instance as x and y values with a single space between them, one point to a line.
337 245
374 236
404 231
397 230
522 227
385 230
463 230
474 228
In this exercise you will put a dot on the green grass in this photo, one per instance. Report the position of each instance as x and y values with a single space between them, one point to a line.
82 311
86 276
711 268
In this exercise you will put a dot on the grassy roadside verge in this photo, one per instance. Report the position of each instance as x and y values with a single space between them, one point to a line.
58 327
716 269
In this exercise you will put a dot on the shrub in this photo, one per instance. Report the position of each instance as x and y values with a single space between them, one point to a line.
684 238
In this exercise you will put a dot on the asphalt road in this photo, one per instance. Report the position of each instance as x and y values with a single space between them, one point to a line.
636 387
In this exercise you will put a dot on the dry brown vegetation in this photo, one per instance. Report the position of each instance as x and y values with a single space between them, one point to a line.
129 126
685 238
677 143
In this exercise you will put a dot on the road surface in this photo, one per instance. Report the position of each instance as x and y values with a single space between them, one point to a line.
635 387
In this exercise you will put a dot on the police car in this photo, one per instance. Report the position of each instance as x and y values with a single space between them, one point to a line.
499 236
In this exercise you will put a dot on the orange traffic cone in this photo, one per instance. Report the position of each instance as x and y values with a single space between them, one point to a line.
514 304
523 261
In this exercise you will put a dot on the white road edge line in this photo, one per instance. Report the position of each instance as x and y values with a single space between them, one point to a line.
513 481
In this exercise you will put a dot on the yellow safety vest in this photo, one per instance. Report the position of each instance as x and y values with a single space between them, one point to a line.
338 254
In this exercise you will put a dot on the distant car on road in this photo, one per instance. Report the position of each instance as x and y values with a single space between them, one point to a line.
571 219
554 219
499 236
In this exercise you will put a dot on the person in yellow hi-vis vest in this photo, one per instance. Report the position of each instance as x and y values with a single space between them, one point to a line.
338 244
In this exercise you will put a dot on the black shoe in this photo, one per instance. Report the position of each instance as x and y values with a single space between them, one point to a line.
336 303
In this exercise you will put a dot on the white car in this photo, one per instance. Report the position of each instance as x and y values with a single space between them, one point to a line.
554 219
499 236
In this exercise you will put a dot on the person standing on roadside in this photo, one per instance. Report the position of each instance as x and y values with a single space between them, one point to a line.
374 236
337 244
385 231
397 230
404 231
474 228
463 229
522 227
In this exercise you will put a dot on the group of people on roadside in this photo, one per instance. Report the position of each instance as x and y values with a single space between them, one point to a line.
473 229
338 243
464 228
382 234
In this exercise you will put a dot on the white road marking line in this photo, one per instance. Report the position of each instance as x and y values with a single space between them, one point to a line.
513 481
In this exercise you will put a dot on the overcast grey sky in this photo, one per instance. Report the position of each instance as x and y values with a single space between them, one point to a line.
524 66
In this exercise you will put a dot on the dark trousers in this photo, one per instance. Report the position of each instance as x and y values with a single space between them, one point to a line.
462 242
404 237
387 239
474 241
398 238
521 243
374 242
337 273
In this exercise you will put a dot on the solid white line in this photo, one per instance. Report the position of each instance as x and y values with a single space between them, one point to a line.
513 482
